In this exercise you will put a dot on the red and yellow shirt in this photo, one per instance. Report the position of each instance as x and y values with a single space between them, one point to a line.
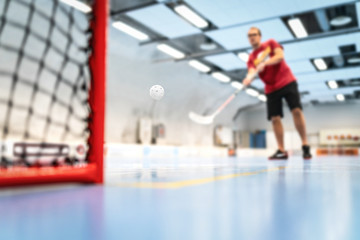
274 76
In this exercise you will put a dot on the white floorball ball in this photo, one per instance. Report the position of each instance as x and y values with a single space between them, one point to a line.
156 92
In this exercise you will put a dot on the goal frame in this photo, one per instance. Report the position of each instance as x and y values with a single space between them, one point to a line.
93 171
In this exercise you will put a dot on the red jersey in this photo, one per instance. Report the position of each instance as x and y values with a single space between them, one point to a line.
274 76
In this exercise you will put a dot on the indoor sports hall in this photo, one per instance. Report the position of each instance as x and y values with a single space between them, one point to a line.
179 119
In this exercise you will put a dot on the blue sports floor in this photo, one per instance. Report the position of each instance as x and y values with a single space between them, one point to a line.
232 198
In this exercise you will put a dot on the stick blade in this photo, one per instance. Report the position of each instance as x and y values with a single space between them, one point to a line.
205 120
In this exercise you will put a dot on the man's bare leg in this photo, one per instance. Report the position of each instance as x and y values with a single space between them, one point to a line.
300 125
279 132
299 121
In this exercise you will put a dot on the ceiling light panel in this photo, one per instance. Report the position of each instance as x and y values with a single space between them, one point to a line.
130 31
262 98
230 12
237 85
304 66
78 5
333 84
191 16
321 77
236 37
320 64
324 98
297 27
244 56
161 19
199 66
322 47
252 92
221 77
340 97
340 21
227 61
322 90
170 51
318 87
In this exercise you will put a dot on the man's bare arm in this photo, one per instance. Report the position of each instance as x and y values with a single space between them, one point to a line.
278 57
249 77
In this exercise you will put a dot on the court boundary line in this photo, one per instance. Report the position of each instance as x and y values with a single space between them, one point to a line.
191 182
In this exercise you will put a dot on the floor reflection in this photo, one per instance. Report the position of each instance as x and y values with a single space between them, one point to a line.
222 199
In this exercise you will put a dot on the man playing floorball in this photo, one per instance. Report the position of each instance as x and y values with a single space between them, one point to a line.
279 83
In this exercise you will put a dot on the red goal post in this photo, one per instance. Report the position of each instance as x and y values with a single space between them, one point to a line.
90 171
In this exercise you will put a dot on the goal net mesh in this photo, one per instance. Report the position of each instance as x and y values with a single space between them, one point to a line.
45 78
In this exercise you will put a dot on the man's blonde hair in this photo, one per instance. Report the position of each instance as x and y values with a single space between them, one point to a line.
256 29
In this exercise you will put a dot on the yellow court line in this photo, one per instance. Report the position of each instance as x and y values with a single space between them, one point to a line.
186 183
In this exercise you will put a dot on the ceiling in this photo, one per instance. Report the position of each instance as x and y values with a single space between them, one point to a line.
228 23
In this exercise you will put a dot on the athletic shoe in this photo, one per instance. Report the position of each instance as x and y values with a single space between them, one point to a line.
279 155
306 152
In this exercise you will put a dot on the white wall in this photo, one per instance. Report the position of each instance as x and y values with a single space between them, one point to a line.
339 116
317 117
132 70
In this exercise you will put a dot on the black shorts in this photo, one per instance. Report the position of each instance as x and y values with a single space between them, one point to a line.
274 100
